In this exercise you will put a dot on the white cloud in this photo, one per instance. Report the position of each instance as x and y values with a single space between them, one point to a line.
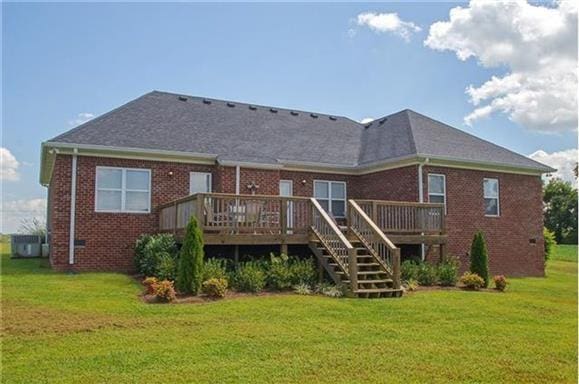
563 161
81 118
366 120
538 45
387 23
13 212
8 166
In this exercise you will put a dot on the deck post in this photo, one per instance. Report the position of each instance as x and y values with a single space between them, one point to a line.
199 211
236 255
396 268
441 250
353 268
176 221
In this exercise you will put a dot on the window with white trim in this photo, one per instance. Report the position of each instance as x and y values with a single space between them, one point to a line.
332 196
123 190
437 189
491 197
199 182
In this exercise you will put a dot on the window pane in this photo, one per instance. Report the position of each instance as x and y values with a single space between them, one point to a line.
338 208
491 188
436 199
491 207
435 184
137 201
321 190
324 204
137 180
200 182
338 191
109 178
108 200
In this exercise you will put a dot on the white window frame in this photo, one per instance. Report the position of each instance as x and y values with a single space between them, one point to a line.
123 190
436 193
330 199
201 173
498 197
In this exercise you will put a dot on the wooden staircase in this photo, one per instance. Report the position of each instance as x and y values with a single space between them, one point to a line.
367 266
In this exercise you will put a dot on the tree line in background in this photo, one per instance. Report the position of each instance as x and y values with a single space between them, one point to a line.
560 210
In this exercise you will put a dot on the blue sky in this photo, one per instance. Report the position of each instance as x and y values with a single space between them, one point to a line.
61 60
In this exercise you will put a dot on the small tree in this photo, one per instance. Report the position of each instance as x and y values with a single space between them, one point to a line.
190 269
479 261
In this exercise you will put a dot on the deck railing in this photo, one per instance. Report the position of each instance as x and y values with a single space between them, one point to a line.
334 241
238 214
405 217
383 250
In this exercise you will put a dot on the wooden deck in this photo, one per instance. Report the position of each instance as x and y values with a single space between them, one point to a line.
262 219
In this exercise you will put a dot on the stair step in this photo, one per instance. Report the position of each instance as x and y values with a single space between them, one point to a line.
376 290
365 273
359 264
369 281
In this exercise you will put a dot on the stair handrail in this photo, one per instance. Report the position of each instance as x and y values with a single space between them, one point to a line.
335 242
376 241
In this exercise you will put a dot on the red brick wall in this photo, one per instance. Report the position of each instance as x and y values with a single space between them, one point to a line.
110 237
508 236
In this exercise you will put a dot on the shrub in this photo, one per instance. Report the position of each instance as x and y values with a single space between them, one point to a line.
190 269
165 291
448 271
249 277
411 285
479 262
214 269
148 252
408 270
426 274
166 267
303 272
333 291
500 282
149 284
472 281
215 288
549 243
279 274
302 289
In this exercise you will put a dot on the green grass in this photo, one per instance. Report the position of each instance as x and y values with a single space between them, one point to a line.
565 252
92 328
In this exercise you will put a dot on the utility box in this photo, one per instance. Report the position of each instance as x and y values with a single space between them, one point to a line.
26 245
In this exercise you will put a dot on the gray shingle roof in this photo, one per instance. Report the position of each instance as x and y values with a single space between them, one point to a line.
269 135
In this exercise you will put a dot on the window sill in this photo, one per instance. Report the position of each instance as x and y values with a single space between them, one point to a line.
129 212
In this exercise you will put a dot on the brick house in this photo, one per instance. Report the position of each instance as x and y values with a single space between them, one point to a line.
131 170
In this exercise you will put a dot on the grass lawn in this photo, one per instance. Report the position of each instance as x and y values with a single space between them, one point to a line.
92 328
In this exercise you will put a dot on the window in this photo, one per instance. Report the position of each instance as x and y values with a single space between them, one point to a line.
332 196
123 190
491 196
437 189
199 182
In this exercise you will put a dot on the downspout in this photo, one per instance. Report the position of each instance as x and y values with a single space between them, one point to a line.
72 209
421 200
237 177
237 184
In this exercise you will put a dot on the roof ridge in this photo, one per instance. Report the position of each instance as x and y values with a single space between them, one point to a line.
252 104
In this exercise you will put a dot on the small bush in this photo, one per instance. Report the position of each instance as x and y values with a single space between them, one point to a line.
472 281
479 259
303 272
550 243
448 271
408 270
302 289
166 267
411 285
165 291
148 252
333 291
500 282
215 288
279 274
149 284
249 277
215 269
427 274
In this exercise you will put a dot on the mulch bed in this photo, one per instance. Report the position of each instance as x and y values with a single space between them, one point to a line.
457 288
